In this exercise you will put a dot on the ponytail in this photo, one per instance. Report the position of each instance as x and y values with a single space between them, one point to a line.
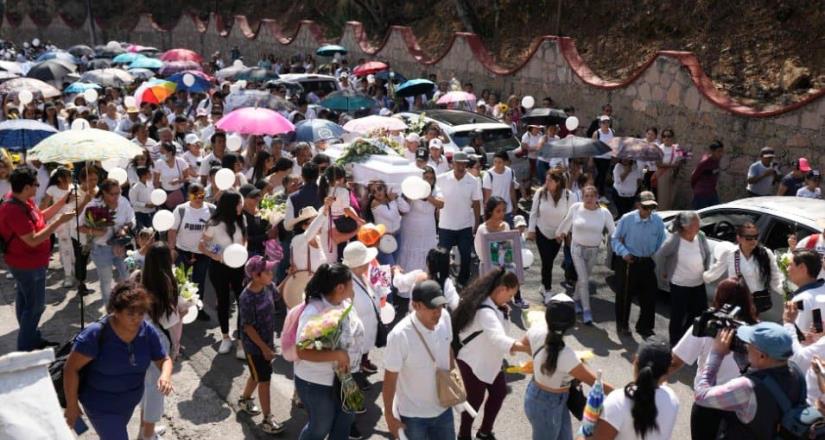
553 344
643 394
325 279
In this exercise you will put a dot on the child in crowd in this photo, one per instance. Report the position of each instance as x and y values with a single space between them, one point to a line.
141 197
811 189
144 239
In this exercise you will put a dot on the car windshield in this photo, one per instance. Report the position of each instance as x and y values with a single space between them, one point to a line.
319 87
495 140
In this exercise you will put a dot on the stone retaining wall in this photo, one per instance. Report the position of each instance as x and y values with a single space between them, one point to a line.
670 90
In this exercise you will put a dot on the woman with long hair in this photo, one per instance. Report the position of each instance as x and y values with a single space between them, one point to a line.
384 208
171 173
163 315
667 169
262 163
225 227
479 321
87 190
52 117
418 227
753 263
555 365
438 270
330 287
141 160
550 205
704 422
646 409
306 250
60 182
589 223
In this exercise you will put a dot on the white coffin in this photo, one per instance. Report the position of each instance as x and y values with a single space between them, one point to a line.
391 169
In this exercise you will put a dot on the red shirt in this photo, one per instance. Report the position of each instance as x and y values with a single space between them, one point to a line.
15 221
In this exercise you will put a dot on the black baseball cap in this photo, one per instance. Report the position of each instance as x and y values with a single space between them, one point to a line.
249 191
429 293
422 154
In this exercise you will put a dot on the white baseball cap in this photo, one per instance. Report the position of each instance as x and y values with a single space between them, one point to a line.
413 137
436 143
191 138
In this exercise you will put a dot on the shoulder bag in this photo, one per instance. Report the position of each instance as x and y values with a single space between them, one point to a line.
448 383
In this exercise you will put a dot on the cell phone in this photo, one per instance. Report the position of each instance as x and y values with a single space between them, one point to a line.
80 426
818 320
800 305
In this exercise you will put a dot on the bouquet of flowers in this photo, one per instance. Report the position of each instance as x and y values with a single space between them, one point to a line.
99 217
360 150
783 261
385 141
325 332
417 126
187 290
272 208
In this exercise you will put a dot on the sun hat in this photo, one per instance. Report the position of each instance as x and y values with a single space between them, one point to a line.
519 221
357 254
305 213
370 233
646 198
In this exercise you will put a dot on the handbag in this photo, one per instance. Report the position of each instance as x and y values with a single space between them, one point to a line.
762 298
576 400
382 330
448 383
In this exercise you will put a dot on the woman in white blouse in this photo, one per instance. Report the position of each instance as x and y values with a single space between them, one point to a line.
531 141
306 249
589 223
753 263
626 178
480 323
226 227
418 227
171 173
385 209
555 365
550 205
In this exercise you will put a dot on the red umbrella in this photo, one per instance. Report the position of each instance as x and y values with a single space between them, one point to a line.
181 55
369 67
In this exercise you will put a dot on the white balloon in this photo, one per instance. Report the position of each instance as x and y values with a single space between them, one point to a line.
25 97
118 174
527 258
234 142
235 255
129 101
189 80
528 102
90 95
36 42
388 244
80 124
163 220
224 179
157 197
415 188
387 313
26 44
571 123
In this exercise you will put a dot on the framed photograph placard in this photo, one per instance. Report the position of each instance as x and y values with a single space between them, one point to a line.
502 249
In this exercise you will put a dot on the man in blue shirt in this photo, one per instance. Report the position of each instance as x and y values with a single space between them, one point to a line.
637 236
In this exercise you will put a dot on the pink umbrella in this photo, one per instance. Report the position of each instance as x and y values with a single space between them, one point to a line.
456 96
172 67
138 48
371 123
257 121
181 55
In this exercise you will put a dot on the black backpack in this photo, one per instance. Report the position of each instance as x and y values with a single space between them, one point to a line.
799 420
61 355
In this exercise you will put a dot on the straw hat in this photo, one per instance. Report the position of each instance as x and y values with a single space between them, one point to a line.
306 213
357 254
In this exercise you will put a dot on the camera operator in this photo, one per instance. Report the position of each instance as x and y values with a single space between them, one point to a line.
769 346
803 271
704 422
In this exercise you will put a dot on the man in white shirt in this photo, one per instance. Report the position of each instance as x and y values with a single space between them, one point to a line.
418 346
458 220
124 126
437 159
803 271
218 141
500 181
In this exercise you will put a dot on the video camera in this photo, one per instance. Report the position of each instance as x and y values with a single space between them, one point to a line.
711 321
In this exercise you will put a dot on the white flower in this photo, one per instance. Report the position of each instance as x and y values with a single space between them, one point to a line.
319 346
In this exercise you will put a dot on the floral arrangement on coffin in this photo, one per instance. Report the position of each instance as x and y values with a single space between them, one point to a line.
783 261
362 148
383 137
329 331
272 208
187 290
417 125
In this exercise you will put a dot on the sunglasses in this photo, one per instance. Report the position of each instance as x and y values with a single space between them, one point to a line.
750 237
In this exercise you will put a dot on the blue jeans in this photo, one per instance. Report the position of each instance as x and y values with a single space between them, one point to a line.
109 426
326 418
541 170
463 238
547 413
29 305
433 428
105 260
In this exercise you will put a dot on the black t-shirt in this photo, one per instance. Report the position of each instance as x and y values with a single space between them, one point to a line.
792 183
256 232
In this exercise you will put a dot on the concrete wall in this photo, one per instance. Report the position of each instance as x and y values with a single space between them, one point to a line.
670 90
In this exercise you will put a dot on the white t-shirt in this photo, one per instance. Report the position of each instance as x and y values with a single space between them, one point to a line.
691 349
628 186
566 361
805 192
416 394
588 226
531 141
688 272
546 214
219 238
458 196
499 185
442 166
206 164
341 202
321 373
604 137
168 174
190 224
617 409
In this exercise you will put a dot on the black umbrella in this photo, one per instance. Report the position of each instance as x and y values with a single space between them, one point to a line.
99 63
51 70
81 50
108 51
573 147
544 116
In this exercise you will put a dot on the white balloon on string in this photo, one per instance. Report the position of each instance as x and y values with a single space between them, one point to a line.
157 197
119 174
80 124
163 220
235 255
528 102
90 95
234 142
129 101
571 123
189 80
25 97
224 179
527 258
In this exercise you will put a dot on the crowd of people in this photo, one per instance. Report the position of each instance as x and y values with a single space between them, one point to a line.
320 254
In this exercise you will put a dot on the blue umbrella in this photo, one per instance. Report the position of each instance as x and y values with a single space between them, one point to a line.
127 58
330 50
347 101
314 130
146 63
201 85
79 87
62 56
415 87
23 134
396 77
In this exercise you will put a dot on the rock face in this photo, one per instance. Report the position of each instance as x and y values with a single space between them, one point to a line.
795 76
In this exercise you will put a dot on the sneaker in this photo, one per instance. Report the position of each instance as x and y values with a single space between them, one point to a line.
270 426
368 367
248 406
203 316
240 354
485 436
68 283
354 433
226 345
587 317
521 303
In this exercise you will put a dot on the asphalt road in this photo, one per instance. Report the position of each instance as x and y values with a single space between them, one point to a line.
207 386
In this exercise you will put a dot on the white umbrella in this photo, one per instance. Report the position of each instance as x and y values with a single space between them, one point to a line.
84 145
369 123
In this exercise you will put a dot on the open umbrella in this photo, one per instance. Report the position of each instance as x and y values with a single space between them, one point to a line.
51 70
84 145
415 87
330 50
202 84
108 77
99 63
127 58
142 73
172 67
109 50
369 67
59 55
5 76
636 149
23 134
389 75
141 49
257 74
146 63
181 55
154 91
255 121
38 88
456 96
80 50
314 130
544 116
256 98
572 147
347 101
370 123
11 66
80 87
